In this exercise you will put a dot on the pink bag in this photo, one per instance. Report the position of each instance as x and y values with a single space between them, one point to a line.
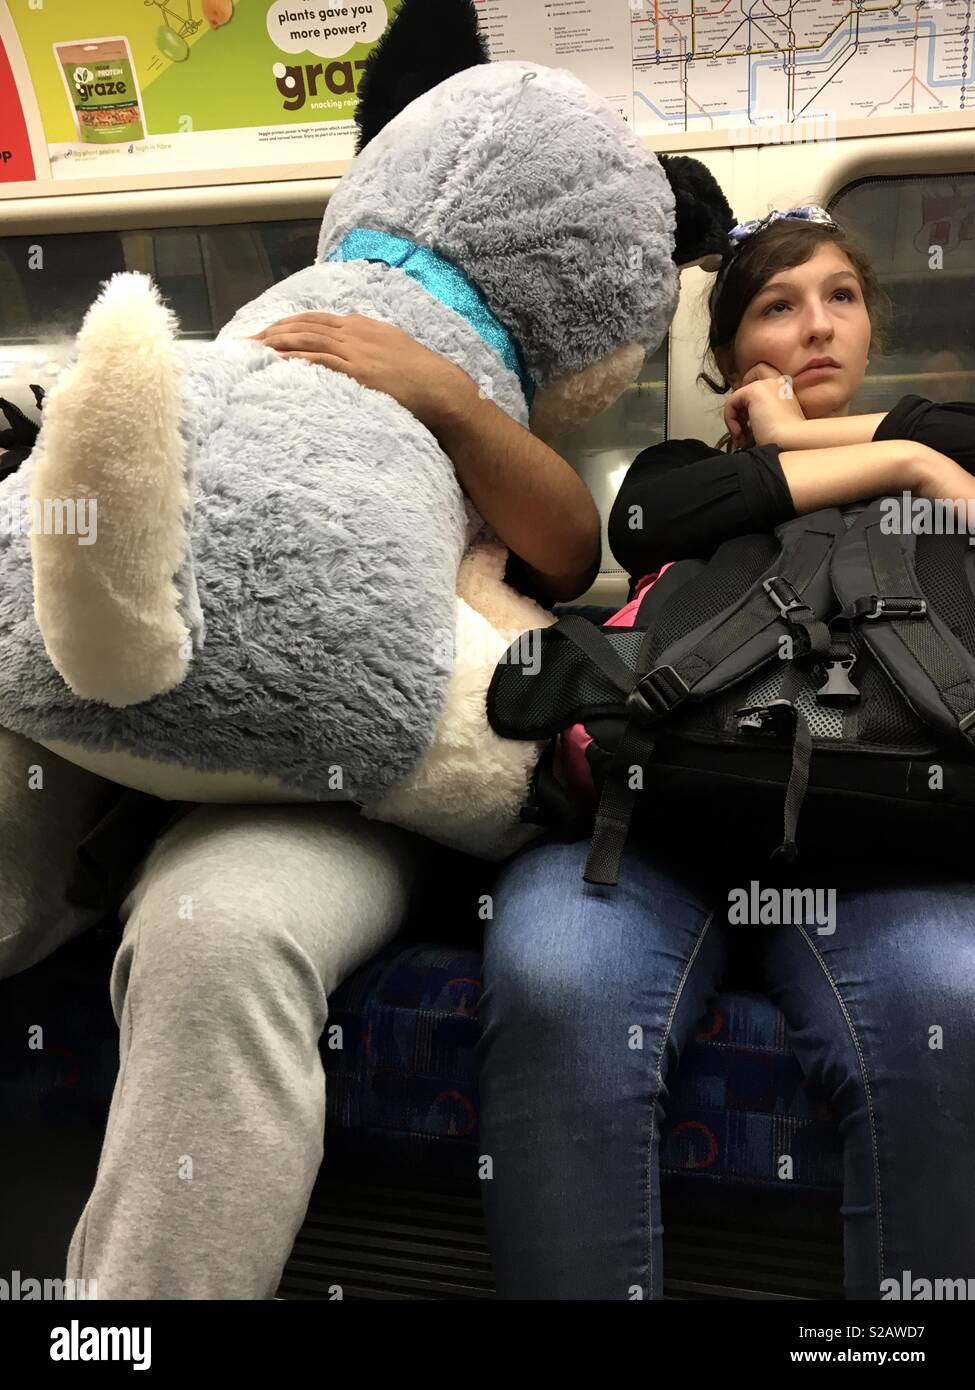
570 765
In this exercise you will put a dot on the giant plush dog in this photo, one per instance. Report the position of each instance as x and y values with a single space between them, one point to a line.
287 595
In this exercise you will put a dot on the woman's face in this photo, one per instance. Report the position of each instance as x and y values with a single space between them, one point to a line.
806 312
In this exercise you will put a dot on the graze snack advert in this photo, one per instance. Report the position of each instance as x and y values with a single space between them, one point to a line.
100 81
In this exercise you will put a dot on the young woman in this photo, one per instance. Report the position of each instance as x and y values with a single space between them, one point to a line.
570 1108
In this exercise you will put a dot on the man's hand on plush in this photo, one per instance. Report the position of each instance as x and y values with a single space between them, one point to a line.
377 355
532 499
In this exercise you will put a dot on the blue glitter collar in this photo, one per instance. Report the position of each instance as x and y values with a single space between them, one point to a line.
445 281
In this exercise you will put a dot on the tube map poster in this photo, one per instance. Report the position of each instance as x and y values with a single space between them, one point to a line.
162 86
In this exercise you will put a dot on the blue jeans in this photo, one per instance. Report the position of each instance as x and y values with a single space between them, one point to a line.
571 1110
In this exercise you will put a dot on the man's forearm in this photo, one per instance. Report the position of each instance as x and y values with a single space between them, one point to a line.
527 493
831 432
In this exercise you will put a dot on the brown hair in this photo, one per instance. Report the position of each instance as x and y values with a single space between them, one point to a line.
783 244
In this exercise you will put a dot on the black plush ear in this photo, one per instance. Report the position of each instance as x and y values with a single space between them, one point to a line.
704 216
427 42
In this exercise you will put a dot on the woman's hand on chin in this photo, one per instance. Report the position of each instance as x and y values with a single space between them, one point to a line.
763 404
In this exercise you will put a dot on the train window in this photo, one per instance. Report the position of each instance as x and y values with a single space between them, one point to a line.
603 450
206 273
919 232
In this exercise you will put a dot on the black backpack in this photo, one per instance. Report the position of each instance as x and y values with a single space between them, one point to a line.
831 656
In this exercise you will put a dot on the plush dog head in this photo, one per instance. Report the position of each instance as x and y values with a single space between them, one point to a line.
518 174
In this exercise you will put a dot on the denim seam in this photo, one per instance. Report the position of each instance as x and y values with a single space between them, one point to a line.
874 1148
653 1106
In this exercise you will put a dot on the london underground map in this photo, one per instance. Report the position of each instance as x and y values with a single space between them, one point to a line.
707 64
704 66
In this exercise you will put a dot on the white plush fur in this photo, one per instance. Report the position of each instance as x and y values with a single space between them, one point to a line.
480 583
470 786
109 612
578 397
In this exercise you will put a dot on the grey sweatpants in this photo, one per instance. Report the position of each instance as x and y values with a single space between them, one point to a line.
241 922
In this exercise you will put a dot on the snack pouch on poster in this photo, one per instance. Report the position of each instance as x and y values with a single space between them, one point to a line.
99 78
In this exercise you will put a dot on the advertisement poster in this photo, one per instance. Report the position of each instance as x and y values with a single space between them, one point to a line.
16 163
116 88
167 86
592 38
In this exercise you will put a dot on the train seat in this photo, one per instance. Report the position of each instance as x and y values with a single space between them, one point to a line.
396 1211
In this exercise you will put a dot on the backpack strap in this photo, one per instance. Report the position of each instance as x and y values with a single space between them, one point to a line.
794 590
656 694
783 717
582 671
875 577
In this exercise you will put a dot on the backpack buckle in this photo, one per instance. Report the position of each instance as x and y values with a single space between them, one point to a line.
777 718
838 688
657 693
783 595
890 606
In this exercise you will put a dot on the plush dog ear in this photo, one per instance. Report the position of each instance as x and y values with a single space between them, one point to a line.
703 214
427 42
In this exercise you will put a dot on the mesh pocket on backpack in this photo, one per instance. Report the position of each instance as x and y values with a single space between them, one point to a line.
568 679
825 721
707 595
883 715
719 715
948 582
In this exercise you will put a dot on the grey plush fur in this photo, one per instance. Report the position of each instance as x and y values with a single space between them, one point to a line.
549 202
327 524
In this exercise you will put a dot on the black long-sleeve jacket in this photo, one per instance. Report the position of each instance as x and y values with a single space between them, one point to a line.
688 499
